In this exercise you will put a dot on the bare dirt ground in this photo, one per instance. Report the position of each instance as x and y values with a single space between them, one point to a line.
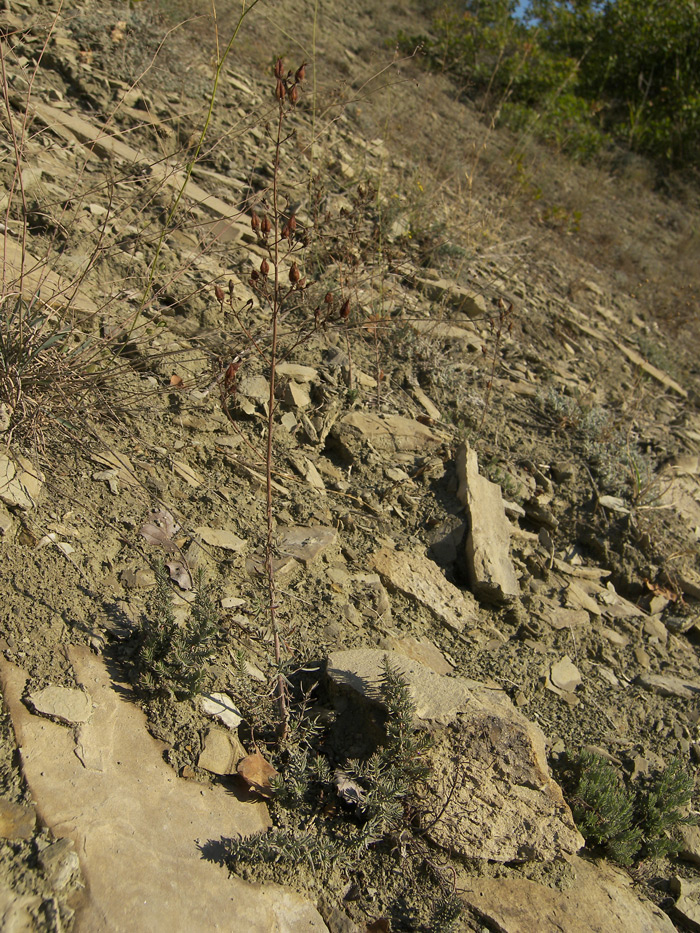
582 402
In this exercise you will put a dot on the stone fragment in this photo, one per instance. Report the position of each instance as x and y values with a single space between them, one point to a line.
421 579
6 521
296 395
297 372
67 704
255 387
60 863
221 707
305 543
221 753
601 899
115 460
121 792
219 537
668 686
16 821
512 810
421 650
690 845
491 572
559 617
386 433
565 674
687 906
20 481
456 296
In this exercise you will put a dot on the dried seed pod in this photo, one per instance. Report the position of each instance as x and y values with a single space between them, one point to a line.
280 90
254 275
265 225
330 298
264 267
286 232
254 222
293 95
218 291
279 68
345 310
294 274
230 287
302 283
300 73
293 223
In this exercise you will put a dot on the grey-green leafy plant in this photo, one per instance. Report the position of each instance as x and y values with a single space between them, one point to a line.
629 823
171 659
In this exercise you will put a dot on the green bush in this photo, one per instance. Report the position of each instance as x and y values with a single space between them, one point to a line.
628 823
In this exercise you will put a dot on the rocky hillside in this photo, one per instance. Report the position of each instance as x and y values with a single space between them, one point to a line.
428 659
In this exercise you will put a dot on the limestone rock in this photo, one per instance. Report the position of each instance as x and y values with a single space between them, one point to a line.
602 899
386 433
419 578
16 821
20 481
221 753
668 686
221 706
63 703
565 674
687 905
60 863
490 781
137 827
491 572
17 910
456 296
220 537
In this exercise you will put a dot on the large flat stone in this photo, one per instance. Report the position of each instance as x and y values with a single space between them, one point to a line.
490 569
421 579
490 781
137 828
386 433
601 899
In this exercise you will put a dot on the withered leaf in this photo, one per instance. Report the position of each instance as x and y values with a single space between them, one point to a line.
160 528
179 573
258 773
348 790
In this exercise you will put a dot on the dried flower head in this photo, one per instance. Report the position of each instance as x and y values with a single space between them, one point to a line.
330 298
230 287
264 267
265 225
218 291
345 310
279 68
280 91
300 73
294 274
254 222
293 95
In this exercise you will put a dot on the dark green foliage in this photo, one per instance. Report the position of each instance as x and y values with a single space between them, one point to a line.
447 911
281 845
579 72
172 658
629 823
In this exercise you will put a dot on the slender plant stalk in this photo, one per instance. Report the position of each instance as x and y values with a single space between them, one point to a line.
269 559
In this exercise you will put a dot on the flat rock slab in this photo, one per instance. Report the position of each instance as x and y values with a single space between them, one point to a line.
421 579
20 481
386 433
137 828
687 905
490 781
66 704
490 569
601 900
669 686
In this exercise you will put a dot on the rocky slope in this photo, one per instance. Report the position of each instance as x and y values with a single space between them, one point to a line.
486 470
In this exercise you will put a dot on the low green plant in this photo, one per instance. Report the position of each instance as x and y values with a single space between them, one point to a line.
171 658
629 823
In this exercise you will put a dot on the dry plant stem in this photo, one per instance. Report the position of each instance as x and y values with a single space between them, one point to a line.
282 703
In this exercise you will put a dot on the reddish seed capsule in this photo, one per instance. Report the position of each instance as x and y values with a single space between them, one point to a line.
280 91
264 267
330 298
255 222
301 73
345 309
293 223
230 287
265 225
218 291
293 95
294 274
285 231
254 275
279 68
302 283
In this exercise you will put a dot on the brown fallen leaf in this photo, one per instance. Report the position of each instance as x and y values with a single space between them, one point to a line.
258 773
